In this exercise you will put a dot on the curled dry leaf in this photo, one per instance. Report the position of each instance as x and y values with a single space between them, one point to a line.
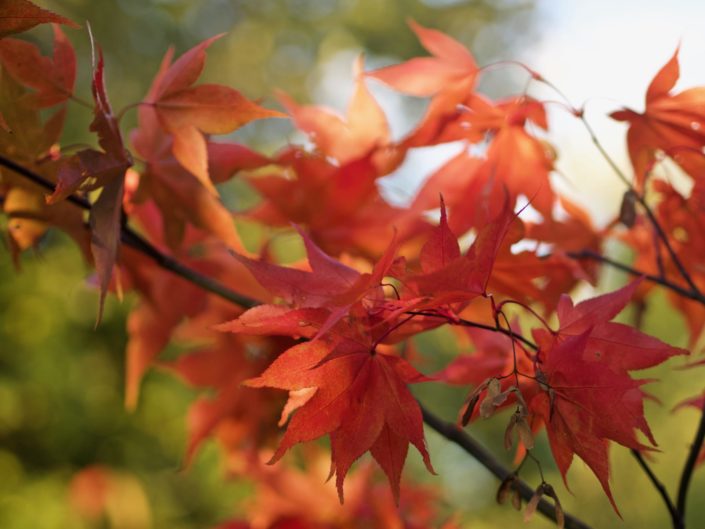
471 402
533 503
509 489
495 397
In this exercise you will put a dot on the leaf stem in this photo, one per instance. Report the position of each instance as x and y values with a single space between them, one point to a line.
476 325
528 309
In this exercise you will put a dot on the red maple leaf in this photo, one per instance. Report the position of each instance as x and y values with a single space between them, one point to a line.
451 68
95 169
329 285
360 400
182 197
449 77
188 112
20 15
167 300
355 392
364 130
589 397
620 346
672 123
446 275
52 78
339 204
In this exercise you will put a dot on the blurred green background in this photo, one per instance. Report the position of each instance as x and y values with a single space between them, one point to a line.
61 381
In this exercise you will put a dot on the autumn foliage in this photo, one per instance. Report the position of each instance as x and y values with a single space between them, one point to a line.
332 335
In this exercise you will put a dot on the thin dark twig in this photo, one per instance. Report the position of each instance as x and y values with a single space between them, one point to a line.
453 433
686 293
476 325
689 465
136 241
669 248
676 518
659 258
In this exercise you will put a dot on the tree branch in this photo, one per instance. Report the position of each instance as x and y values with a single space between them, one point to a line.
136 241
453 433
41 181
689 466
686 293
676 517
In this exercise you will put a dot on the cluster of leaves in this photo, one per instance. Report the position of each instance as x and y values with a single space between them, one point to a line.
334 330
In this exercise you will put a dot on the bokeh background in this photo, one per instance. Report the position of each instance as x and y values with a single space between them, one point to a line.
61 380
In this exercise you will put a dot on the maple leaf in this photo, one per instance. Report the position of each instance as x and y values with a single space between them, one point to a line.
361 401
107 170
330 284
183 198
188 112
589 397
449 77
20 15
573 232
452 64
52 79
363 131
681 217
29 217
587 405
620 346
31 140
289 497
28 138
152 321
340 205
514 162
518 160
221 367
166 300
672 123
461 176
446 275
